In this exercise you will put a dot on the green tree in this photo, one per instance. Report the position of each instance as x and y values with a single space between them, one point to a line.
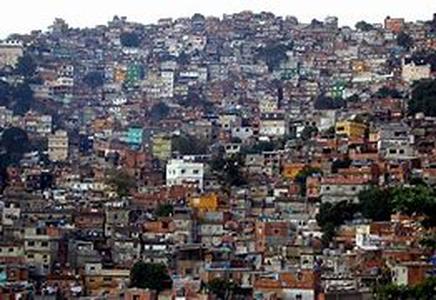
150 276
22 98
423 95
429 242
122 182
159 111
385 92
364 26
164 210
328 233
404 40
26 66
94 79
376 204
413 200
130 39
15 142
302 176
189 145
260 147
308 132
222 288
425 290
274 55
418 200
332 215
5 93
229 170
327 103
425 57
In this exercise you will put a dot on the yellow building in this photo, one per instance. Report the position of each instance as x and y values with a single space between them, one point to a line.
120 74
351 129
162 146
208 202
290 171
58 146
359 67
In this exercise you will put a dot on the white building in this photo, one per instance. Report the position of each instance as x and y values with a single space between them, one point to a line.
273 125
58 146
10 52
183 172
413 72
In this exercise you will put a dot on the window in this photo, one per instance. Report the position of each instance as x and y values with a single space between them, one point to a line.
401 151
44 244
196 171
182 171
327 188
11 249
392 151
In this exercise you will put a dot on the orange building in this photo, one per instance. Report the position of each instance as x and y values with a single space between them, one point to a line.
208 202
395 25
290 171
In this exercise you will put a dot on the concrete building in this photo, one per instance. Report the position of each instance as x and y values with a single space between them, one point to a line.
161 146
10 52
58 146
412 71
182 172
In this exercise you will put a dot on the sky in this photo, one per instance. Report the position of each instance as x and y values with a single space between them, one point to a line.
22 16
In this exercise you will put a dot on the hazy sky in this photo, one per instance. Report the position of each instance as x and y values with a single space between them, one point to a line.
24 15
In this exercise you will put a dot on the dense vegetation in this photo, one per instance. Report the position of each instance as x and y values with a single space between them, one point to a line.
130 39
378 205
274 55
150 276
423 291
423 98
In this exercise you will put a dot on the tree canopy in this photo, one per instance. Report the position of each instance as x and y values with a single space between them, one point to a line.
94 79
332 215
375 204
425 57
301 177
385 92
26 66
150 276
122 182
222 288
229 170
130 39
15 141
423 98
159 111
422 291
189 145
18 98
404 40
364 26
274 55
322 103
164 210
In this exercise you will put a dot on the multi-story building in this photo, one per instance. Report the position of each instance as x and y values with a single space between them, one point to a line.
182 172
58 146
